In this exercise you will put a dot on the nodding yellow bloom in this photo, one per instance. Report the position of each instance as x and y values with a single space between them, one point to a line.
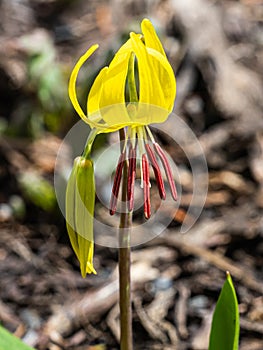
107 109
149 100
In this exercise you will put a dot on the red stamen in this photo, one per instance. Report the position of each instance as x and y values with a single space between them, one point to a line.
131 177
157 171
167 169
116 185
146 186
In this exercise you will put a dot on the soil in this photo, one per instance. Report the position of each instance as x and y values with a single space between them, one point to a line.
215 48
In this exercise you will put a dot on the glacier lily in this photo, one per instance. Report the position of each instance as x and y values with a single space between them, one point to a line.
150 100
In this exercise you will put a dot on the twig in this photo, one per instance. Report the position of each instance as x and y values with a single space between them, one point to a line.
214 258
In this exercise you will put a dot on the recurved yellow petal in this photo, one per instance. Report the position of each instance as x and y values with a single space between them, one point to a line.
151 91
150 37
113 91
73 79
93 103
165 76
114 83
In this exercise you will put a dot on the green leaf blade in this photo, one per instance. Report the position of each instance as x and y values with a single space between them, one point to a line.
225 325
10 342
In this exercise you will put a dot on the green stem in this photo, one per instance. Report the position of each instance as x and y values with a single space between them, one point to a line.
125 265
87 149
133 96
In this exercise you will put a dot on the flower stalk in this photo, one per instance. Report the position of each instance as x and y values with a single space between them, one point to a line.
125 263
128 179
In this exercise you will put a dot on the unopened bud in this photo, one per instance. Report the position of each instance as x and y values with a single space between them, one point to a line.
80 201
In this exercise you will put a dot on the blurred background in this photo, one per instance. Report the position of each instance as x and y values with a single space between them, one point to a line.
216 50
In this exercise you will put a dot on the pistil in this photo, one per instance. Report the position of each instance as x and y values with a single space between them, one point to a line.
131 177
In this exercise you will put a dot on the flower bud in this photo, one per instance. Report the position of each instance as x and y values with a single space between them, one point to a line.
80 200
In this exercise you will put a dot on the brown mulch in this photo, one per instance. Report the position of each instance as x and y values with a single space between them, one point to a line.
216 51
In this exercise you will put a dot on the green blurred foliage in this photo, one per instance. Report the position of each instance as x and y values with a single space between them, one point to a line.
38 190
43 103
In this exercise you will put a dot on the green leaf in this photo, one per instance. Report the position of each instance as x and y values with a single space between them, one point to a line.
225 325
10 342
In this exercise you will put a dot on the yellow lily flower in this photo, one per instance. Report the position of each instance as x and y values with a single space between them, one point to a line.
107 111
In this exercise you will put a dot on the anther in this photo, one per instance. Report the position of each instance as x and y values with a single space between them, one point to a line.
116 185
157 171
131 177
146 186
167 169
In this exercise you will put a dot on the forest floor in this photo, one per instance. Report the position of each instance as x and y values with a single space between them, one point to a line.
216 50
